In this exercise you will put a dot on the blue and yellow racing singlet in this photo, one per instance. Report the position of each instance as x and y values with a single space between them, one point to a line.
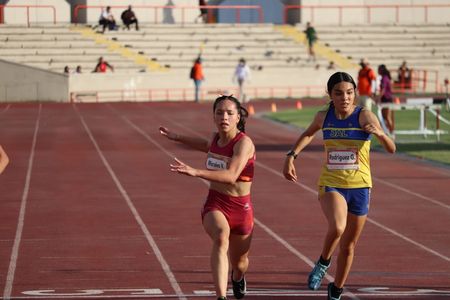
347 149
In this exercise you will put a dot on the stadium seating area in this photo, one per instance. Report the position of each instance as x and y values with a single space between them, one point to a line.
276 57
422 46
171 46
54 46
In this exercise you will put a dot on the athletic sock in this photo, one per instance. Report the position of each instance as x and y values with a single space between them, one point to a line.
335 291
324 262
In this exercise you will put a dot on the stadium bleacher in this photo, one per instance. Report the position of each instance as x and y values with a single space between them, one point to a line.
159 55
422 46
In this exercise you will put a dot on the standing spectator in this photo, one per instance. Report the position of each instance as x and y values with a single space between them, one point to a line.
242 74
102 66
203 12
404 76
78 70
107 19
386 96
311 38
66 70
331 65
227 213
345 181
4 160
197 76
128 17
367 83
168 13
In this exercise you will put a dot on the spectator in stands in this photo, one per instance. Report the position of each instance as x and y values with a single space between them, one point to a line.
311 38
331 65
66 70
241 75
404 76
168 13
386 96
102 66
197 76
107 19
203 12
367 82
128 17
78 70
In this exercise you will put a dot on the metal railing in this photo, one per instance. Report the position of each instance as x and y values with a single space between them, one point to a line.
369 10
420 82
187 94
27 7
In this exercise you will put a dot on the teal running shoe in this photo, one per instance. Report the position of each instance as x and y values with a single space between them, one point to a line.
316 276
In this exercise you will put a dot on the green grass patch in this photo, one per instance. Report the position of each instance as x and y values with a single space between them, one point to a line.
414 145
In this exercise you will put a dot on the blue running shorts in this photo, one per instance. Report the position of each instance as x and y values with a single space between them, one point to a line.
358 200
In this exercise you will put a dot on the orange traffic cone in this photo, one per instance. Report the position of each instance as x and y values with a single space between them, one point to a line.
299 105
251 110
273 107
396 100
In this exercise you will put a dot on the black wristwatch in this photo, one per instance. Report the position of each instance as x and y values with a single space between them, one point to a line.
292 153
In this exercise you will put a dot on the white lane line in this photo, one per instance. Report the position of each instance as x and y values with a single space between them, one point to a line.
264 227
5 109
141 293
148 235
396 233
15 250
392 231
412 193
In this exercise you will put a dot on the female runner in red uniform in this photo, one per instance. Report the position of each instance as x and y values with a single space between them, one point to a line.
227 213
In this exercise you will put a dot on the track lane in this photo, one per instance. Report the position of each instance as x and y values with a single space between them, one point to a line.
187 248
77 234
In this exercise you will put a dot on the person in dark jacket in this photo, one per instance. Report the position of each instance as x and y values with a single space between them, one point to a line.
129 17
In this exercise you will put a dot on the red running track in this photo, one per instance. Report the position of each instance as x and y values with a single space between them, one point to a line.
90 210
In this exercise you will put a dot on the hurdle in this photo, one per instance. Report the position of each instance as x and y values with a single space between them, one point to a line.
415 104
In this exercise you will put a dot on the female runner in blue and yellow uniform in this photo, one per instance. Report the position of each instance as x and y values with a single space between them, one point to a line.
345 180
227 213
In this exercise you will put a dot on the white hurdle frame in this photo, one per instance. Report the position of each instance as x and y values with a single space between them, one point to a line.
422 121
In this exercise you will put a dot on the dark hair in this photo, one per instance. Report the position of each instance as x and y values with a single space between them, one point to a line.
241 110
384 71
339 77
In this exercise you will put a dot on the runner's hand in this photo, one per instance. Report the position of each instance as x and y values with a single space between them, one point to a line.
182 168
373 129
169 134
289 169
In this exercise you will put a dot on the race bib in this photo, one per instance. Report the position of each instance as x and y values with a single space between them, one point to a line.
342 159
216 162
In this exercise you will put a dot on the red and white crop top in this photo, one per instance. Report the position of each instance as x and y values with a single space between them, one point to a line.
219 158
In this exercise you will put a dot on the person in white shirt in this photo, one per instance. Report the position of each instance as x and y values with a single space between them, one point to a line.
242 74
107 19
